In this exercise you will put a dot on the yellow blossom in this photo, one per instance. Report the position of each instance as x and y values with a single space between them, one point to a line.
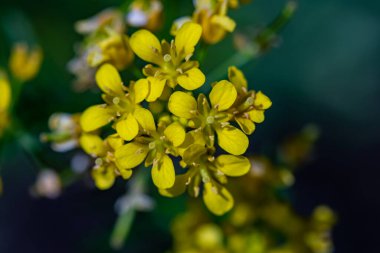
213 172
249 106
122 104
171 60
114 49
24 62
105 170
154 147
212 16
211 119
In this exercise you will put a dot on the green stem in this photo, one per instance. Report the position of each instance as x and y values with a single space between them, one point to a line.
125 220
122 228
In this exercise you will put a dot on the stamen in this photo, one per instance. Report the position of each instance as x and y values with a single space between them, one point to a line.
210 119
152 145
116 100
250 101
98 162
167 58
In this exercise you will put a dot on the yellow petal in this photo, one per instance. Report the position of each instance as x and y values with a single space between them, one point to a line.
227 23
114 141
187 38
125 174
127 128
5 93
104 177
146 46
246 125
175 133
156 87
178 188
223 95
237 77
163 173
182 105
130 155
191 79
256 115
232 140
141 90
234 166
92 144
217 199
262 101
109 81
145 118
95 117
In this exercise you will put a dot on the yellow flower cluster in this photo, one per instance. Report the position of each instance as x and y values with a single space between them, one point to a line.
188 129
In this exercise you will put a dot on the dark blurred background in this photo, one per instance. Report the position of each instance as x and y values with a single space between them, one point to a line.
325 70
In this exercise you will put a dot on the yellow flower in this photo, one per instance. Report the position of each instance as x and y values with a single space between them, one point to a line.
171 60
212 16
211 119
153 147
249 106
121 107
114 49
105 169
5 99
24 62
145 14
205 168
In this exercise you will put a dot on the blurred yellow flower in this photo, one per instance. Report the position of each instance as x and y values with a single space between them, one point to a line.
25 62
212 16
5 100
113 49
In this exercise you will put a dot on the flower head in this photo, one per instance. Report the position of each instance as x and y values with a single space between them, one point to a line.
171 61
105 170
249 106
122 104
212 119
154 146
24 62
210 172
212 16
